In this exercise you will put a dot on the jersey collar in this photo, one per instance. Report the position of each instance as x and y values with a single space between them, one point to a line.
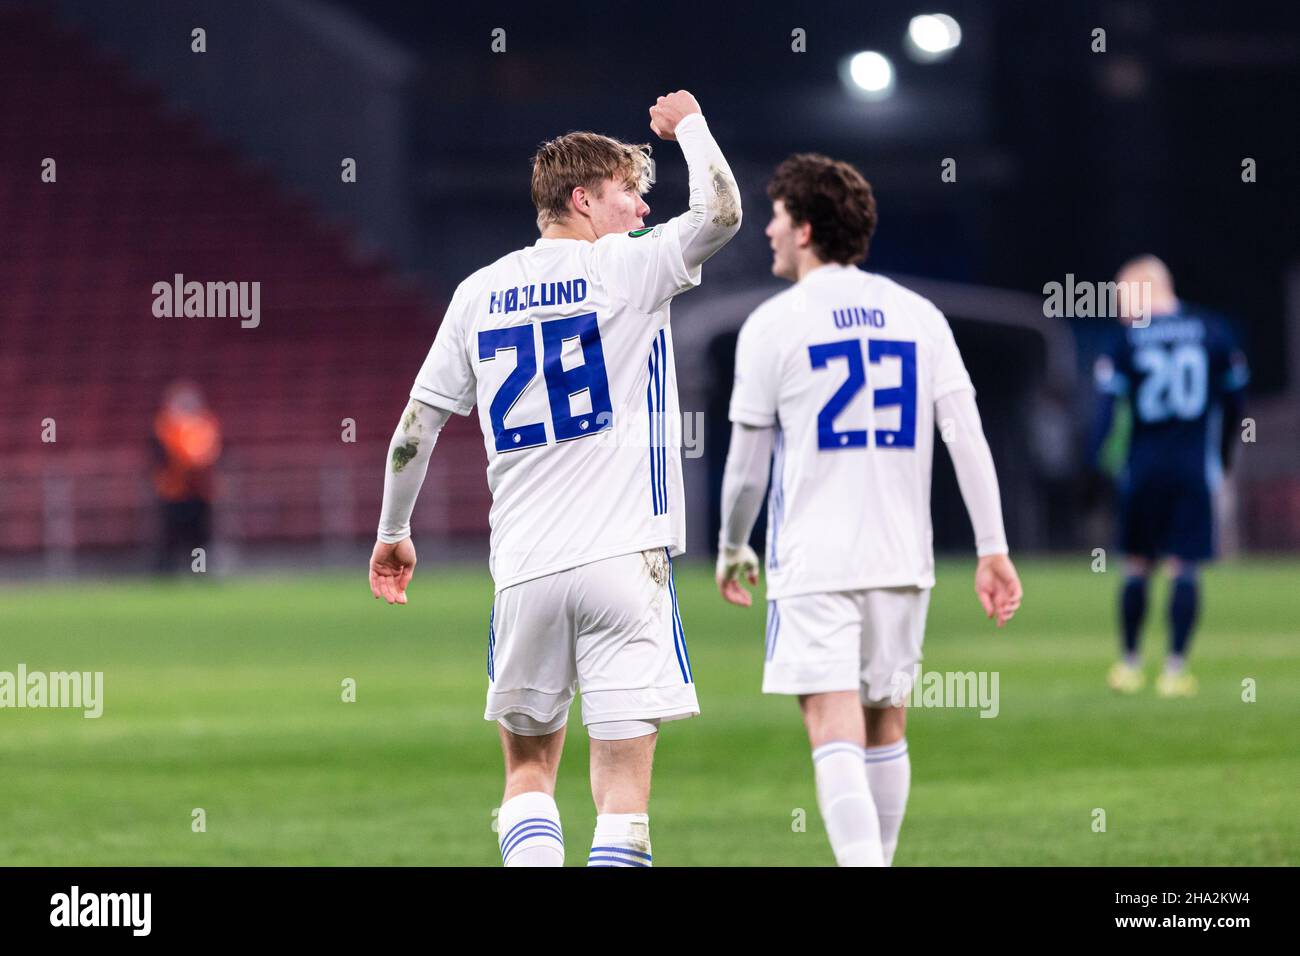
827 270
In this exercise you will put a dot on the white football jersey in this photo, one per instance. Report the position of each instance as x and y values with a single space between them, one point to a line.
847 365
565 348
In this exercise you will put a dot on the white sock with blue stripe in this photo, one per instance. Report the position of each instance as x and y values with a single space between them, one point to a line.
889 772
528 830
622 839
844 797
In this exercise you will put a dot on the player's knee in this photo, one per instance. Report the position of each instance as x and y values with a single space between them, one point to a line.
622 755
833 716
886 724
532 751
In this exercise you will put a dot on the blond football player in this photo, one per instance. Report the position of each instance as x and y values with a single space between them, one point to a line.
566 349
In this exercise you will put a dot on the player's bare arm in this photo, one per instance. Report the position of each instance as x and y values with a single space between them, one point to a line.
392 562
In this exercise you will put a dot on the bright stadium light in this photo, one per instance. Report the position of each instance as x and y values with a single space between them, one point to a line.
932 37
869 74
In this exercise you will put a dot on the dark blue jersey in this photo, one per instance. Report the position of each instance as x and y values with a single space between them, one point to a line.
1177 373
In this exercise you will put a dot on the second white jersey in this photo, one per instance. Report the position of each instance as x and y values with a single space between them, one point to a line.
847 365
566 349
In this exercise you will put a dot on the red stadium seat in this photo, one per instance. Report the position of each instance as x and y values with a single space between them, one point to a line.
337 339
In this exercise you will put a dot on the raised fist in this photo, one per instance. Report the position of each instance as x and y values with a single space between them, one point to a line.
670 110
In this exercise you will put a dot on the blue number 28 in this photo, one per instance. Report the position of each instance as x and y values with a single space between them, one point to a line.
562 384
901 396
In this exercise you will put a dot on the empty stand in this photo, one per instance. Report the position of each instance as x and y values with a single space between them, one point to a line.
140 196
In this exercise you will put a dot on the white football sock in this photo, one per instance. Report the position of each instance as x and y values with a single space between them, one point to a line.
528 829
889 772
844 796
622 839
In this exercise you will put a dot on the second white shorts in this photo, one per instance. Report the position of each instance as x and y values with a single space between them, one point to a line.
867 640
610 630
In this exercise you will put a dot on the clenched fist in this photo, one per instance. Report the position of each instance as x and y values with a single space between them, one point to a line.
670 110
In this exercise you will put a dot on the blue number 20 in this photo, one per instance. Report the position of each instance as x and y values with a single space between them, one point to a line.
561 384
901 396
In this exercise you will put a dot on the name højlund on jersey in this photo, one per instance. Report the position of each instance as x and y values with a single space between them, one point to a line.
524 297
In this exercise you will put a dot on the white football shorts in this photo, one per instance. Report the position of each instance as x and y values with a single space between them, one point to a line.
610 630
867 640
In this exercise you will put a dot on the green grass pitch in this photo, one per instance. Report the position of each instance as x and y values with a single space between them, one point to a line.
225 695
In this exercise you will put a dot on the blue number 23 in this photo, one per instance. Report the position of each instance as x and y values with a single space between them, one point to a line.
901 396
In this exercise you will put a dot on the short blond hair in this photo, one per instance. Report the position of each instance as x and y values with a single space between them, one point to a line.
584 159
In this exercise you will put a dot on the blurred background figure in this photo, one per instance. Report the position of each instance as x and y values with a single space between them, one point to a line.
1183 377
187 443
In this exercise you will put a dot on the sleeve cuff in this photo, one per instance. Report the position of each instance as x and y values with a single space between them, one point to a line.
743 416
690 122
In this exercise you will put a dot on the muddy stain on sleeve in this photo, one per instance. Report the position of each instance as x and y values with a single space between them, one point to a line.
403 454
728 206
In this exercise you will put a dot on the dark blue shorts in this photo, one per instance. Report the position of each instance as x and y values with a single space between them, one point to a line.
1165 515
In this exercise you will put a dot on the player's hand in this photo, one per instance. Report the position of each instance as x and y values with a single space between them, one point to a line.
670 110
998 587
733 564
391 567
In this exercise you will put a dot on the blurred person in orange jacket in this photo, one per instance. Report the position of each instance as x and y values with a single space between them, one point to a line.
187 440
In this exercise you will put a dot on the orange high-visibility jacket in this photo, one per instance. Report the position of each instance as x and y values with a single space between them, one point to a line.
191 443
